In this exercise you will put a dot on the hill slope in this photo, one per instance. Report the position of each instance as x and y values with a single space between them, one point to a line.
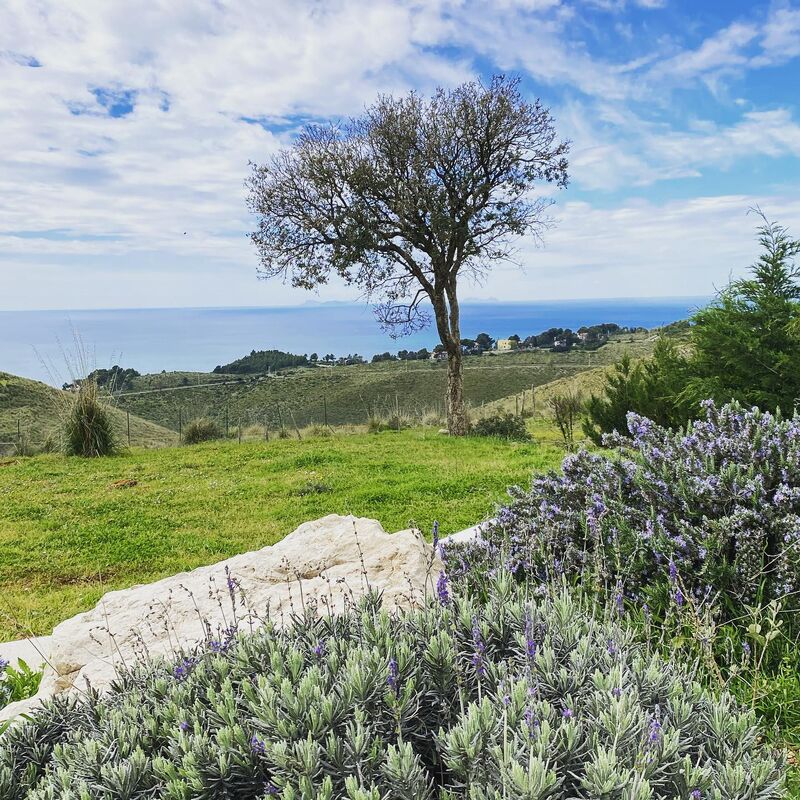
351 394
584 383
31 409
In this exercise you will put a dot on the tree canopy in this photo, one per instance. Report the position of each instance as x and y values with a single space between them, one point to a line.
403 200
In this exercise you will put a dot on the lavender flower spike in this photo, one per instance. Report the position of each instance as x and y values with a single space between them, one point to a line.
442 591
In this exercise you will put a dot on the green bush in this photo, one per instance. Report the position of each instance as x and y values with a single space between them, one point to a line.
17 683
504 426
511 698
201 430
87 428
653 388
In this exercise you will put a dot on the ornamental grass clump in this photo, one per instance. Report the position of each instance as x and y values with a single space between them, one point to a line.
511 698
710 513
87 428
201 430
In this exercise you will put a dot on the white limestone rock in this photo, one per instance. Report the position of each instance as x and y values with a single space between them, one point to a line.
329 562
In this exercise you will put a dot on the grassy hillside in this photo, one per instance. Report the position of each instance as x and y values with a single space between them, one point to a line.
586 383
32 409
350 394
73 528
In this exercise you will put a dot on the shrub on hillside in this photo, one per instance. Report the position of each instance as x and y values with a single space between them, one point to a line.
567 409
652 387
515 698
503 426
201 430
714 510
87 427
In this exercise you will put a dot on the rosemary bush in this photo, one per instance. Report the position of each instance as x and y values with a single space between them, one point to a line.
513 697
710 515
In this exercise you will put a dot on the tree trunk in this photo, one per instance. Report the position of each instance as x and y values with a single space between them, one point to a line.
446 310
457 422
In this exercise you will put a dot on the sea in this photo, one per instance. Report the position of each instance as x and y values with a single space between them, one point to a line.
54 346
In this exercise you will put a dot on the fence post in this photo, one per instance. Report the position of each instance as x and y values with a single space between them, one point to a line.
239 429
294 422
227 410
533 398
128 414
19 431
180 425
266 429
325 410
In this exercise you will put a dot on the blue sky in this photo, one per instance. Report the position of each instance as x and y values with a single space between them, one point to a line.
126 130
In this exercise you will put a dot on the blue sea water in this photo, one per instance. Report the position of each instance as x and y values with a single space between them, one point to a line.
34 343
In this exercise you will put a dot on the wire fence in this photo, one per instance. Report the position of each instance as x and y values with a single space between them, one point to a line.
278 420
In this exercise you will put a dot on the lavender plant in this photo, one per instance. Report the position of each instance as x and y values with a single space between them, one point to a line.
709 513
512 698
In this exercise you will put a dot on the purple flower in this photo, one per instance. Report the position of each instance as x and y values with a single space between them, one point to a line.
695 794
183 668
271 789
567 713
184 726
319 648
231 582
435 533
678 597
531 721
257 746
442 592
3 664
673 571
392 679
616 692
654 730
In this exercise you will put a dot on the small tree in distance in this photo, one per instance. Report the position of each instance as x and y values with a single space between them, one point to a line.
404 199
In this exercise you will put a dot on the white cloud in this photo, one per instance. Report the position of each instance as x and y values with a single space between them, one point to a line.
644 249
721 52
149 207
780 37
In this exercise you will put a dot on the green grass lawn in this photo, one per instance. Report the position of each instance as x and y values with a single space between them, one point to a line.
67 534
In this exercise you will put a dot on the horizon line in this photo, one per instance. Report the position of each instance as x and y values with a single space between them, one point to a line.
312 303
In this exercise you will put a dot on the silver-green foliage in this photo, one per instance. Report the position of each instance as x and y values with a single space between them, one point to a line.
511 698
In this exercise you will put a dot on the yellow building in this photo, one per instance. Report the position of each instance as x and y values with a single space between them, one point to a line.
506 344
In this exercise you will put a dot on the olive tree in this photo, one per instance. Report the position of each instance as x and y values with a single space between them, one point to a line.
405 199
